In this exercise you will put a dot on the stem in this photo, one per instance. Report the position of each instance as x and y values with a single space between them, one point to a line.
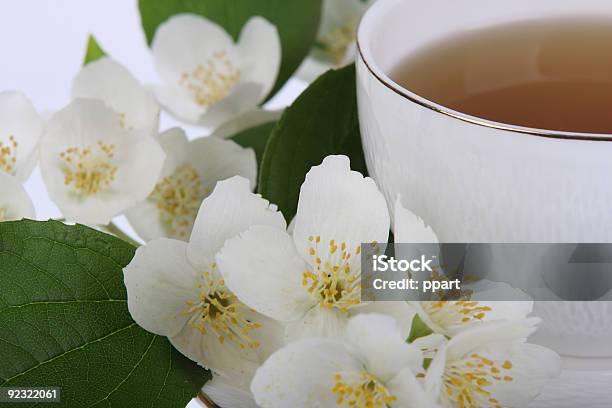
116 231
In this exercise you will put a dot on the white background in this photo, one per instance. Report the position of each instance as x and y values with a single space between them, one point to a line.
42 45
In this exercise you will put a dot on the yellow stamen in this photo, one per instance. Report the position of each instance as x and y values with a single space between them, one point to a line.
212 81
361 390
89 171
178 198
335 43
218 312
8 155
333 279
449 313
467 382
123 121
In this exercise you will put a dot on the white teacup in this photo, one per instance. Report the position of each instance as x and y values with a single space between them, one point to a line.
475 180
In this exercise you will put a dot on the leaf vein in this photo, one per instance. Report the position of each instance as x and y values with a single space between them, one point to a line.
128 374
82 346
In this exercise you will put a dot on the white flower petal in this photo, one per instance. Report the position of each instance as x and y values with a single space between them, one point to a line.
408 228
223 358
246 121
175 143
20 131
159 280
145 216
510 373
136 158
302 374
532 367
204 162
518 370
337 32
224 392
435 373
488 333
179 103
318 322
430 342
262 267
242 98
349 55
200 65
291 226
145 220
108 81
379 343
15 203
337 13
408 391
502 311
430 320
402 312
312 68
218 159
231 209
260 51
208 78
339 204
452 317
183 42
271 335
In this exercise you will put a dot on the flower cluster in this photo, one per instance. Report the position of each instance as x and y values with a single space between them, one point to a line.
103 155
276 314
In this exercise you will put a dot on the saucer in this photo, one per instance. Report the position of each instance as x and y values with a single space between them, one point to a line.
588 386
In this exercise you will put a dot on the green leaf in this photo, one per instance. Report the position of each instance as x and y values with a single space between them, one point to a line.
321 122
64 322
297 22
93 51
418 329
256 138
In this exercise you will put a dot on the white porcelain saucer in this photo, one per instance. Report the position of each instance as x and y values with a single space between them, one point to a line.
584 383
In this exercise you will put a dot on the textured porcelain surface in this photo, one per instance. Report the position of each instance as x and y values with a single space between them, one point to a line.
476 183
581 329
587 389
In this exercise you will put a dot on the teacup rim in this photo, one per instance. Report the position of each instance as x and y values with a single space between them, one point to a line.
380 75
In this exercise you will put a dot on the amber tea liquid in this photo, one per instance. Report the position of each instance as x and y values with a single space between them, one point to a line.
553 74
